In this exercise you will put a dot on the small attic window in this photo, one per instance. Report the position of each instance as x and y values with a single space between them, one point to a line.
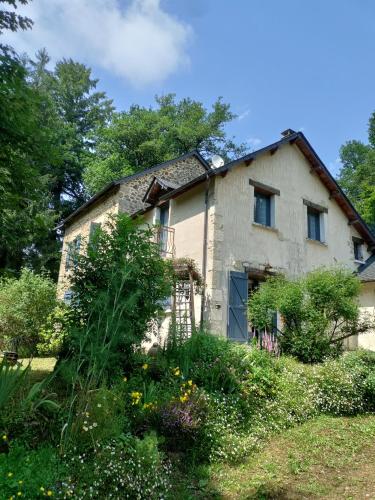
262 208
358 249
316 221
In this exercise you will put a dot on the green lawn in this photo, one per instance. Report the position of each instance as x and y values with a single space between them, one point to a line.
325 458
40 367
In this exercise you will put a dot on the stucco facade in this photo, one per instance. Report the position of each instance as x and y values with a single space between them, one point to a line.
211 218
284 248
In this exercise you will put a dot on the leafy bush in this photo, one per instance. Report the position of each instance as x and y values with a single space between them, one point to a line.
25 303
118 287
340 389
26 409
127 468
55 330
100 416
29 473
318 311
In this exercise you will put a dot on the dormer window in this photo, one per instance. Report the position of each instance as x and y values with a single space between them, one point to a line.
358 249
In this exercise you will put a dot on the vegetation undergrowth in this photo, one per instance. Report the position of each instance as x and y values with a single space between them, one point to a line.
114 421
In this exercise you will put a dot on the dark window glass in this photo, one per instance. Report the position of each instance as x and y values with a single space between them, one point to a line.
72 252
358 254
68 295
164 215
313 224
262 209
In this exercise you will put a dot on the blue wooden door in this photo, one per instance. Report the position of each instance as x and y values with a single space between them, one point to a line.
237 310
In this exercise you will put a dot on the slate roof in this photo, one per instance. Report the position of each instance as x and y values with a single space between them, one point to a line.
366 271
114 185
298 139
289 137
156 185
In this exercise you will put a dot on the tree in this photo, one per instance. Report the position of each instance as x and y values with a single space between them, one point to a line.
25 215
318 312
357 175
10 20
25 304
74 112
142 137
118 287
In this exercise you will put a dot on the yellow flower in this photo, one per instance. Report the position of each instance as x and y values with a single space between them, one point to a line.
125 379
20 482
41 488
10 474
190 382
183 399
145 366
136 396
5 437
49 493
177 372
19 493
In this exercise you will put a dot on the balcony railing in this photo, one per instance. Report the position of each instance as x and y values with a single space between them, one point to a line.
164 237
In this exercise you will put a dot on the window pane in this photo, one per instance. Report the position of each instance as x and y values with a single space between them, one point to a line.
313 223
262 209
164 214
358 255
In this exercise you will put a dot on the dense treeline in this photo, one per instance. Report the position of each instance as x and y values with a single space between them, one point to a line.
61 140
357 175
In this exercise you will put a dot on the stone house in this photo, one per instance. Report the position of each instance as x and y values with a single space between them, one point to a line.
275 210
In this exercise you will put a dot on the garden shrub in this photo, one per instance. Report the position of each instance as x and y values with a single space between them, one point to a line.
181 421
340 388
126 468
100 416
318 312
118 286
55 330
31 474
25 304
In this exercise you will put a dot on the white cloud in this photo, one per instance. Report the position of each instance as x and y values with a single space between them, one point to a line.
254 142
140 42
335 166
243 115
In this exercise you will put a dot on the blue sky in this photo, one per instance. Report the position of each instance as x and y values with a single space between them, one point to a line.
307 65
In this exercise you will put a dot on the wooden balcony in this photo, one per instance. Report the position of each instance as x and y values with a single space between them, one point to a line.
164 237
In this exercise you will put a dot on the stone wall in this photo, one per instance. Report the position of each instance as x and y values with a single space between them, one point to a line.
179 172
127 199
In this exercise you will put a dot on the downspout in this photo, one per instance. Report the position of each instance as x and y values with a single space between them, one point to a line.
205 237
